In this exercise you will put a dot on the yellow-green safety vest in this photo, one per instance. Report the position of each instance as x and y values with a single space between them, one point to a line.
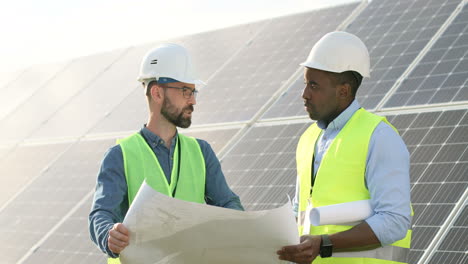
340 179
140 163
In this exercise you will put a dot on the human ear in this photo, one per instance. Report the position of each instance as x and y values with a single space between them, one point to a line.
344 90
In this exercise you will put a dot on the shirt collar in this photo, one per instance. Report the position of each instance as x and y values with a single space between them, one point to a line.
153 138
340 121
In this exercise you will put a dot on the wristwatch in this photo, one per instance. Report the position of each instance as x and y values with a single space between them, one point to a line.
326 247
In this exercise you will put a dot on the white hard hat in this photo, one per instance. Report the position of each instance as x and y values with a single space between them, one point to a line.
339 52
170 61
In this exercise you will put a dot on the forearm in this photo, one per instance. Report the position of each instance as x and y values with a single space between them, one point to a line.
360 237
99 225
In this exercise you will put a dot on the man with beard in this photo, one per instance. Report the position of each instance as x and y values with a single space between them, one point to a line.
348 155
173 164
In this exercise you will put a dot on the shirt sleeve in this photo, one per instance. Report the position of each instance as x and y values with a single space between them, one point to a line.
388 181
110 203
217 191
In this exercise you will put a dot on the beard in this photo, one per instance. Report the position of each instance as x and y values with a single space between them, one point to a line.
169 111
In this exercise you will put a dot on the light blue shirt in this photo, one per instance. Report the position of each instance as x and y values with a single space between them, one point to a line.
387 176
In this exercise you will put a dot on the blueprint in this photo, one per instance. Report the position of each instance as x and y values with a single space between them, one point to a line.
167 230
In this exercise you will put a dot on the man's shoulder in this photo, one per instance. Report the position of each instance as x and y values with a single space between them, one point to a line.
205 147
113 152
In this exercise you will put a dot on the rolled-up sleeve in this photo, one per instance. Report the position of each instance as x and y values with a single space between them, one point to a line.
110 203
388 181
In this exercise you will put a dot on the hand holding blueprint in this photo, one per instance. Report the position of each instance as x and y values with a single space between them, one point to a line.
165 230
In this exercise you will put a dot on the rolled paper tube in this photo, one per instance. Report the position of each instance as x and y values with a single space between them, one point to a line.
340 213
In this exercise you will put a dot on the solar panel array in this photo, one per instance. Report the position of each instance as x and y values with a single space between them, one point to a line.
58 120
441 76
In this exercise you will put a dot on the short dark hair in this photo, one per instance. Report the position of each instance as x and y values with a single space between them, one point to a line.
148 87
353 78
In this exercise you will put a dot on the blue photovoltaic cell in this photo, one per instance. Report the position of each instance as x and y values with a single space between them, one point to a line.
441 76
395 32
438 144
47 186
253 75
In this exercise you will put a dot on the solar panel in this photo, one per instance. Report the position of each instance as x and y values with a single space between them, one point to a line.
454 246
3 151
70 243
96 100
133 109
7 77
210 50
47 195
395 32
47 100
24 163
438 143
44 202
290 103
217 138
441 76
25 85
261 166
264 65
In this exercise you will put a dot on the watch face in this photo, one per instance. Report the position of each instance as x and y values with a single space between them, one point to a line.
326 247
326 251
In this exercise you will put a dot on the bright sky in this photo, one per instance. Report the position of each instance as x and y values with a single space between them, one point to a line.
42 31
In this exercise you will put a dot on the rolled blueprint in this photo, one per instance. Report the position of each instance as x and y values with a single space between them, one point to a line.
340 213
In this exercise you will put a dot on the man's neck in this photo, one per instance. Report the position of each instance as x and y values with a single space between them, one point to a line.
163 129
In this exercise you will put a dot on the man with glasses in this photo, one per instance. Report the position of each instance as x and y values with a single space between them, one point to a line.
173 164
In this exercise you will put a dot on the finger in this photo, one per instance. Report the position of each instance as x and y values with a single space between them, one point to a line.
118 236
115 248
293 249
117 242
115 233
121 228
307 258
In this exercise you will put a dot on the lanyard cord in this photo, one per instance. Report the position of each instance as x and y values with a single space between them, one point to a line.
178 162
178 167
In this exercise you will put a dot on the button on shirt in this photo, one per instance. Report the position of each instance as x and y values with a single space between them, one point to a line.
386 176
111 198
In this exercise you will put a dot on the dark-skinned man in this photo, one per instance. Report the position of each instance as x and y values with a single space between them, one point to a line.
348 155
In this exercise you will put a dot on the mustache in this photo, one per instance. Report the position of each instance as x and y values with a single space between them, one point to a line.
307 104
190 107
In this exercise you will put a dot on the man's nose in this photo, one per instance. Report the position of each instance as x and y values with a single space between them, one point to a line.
305 94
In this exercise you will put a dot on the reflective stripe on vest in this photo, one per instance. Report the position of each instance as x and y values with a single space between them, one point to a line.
141 163
339 179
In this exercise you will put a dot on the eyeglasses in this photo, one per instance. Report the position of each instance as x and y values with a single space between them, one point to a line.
186 91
